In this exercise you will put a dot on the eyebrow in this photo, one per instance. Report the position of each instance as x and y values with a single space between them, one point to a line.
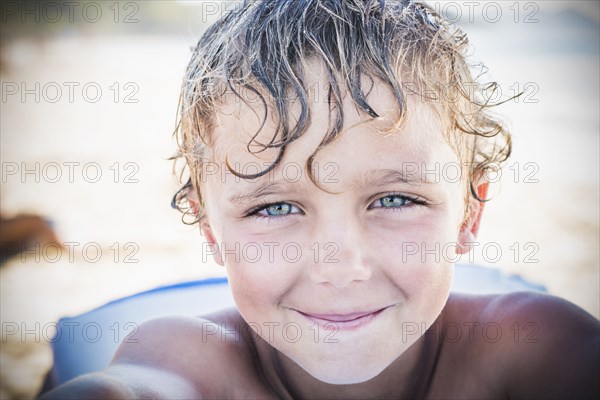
388 176
263 189
376 177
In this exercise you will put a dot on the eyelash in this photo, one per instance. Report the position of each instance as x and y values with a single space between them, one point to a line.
412 202
253 212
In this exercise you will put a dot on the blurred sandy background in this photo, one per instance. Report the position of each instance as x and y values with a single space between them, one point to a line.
556 137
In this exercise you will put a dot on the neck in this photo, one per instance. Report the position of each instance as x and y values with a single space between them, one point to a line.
408 376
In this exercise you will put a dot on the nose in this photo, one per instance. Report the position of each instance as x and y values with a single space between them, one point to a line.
339 253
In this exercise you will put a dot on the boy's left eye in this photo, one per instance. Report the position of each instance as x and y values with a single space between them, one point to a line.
391 201
278 209
395 201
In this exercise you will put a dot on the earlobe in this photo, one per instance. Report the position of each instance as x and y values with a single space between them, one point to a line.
465 241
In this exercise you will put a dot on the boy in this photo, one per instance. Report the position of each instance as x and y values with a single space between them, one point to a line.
311 129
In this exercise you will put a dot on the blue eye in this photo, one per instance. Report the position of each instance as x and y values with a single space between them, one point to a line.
278 209
396 201
272 210
392 201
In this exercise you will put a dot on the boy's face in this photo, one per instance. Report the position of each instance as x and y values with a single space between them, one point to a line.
382 239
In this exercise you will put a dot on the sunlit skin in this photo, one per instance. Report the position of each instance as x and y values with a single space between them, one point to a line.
353 236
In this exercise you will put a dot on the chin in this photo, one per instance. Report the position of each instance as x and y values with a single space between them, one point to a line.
344 375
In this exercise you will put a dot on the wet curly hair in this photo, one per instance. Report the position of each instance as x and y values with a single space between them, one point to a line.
261 47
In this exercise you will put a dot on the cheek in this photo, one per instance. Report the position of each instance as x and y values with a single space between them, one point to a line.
418 259
422 242
258 274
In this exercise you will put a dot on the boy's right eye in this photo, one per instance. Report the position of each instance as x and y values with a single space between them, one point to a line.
273 210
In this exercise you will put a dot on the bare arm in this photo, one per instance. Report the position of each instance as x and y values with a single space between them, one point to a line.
125 382
97 385
155 366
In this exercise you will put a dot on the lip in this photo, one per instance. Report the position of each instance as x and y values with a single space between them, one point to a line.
346 322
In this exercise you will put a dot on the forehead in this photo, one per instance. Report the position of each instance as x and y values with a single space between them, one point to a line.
364 143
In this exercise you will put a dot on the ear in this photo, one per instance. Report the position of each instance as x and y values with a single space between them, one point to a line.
192 198
205 229
207 232
470 228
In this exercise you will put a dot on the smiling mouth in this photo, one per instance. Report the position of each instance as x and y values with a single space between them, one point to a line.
337 322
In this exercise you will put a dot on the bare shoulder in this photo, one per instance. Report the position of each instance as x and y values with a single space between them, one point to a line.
158 340
174 357
534 345
543 309
197 350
